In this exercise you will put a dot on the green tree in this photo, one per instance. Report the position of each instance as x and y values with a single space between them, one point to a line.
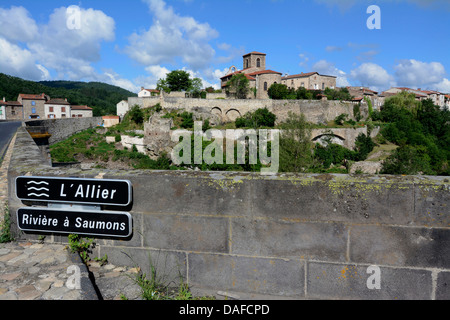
136 114
409 160
162 85
239 85
259 118
303 93
179 80
295 144
278 91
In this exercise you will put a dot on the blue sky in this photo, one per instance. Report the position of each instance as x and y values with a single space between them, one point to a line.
134 43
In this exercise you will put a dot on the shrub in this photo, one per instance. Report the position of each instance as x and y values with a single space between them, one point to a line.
257 119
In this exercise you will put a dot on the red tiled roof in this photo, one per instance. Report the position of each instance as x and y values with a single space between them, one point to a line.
10 103
80 108
32 96
304 75
58 101
254 52
263 72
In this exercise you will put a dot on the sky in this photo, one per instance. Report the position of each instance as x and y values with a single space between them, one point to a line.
134 43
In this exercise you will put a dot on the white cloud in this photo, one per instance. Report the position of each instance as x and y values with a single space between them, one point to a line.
328 68
415 73
373 76
70 52
443 86
20 62
304 60
16 24
111 77
333 48
172 37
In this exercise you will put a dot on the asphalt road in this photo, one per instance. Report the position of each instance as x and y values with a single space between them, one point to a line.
7 131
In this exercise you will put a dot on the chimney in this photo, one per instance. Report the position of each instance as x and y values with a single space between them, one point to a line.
142 88
4 99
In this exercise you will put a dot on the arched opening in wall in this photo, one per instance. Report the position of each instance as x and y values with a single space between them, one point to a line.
323 139
258 63
265 86
232 115
216 116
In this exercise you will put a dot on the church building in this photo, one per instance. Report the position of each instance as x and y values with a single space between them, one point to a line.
260 79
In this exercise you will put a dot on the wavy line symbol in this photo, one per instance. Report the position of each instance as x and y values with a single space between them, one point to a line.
36 182
38 189
38 195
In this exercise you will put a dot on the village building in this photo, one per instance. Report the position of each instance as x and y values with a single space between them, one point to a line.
11 110
122 108
81 112
148 93
260 79
57 109
33 105
362 93
310 81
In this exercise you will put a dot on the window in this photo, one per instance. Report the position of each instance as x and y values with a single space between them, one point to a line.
33 103
258 62
63 115
265 86
50 109
33 110
303 84
63 109
323 85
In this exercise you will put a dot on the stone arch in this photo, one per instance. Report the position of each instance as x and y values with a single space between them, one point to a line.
337 139
233 114
216 116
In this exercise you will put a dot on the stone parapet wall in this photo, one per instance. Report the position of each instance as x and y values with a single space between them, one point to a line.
290 235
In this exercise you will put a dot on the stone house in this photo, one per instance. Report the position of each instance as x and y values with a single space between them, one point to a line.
310 81
81 112
122 108
57 109
33 105
361 93
10 110
260 79
148 93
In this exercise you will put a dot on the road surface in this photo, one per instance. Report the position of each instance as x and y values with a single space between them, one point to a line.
7 131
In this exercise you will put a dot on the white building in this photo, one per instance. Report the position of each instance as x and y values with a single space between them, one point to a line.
57 109
81 112
2 112
122 108
145 93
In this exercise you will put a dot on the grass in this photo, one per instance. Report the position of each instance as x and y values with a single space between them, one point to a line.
5 227
381 152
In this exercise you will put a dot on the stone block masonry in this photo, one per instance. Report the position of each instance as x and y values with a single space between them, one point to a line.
227 110
61 129
290 235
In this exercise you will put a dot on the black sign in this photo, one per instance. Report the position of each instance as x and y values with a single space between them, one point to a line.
74 190
93 223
